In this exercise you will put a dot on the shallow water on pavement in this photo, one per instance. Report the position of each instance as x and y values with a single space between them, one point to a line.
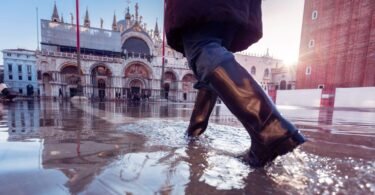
116 148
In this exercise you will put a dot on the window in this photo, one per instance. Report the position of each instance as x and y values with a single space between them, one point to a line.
314 15
9 54
308 70
28 69
165 61
266 73
311 43
19 68
10 77
39 75
253 70
20 77
29 77
20 90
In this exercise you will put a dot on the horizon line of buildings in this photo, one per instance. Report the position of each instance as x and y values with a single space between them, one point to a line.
127 59
119 62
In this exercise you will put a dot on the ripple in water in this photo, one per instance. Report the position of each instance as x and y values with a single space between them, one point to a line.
213 160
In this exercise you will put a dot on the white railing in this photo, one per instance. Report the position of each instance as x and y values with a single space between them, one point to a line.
83 56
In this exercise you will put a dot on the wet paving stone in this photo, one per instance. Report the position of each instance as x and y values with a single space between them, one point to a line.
118 148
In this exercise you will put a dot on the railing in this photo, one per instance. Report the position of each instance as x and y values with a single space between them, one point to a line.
83 57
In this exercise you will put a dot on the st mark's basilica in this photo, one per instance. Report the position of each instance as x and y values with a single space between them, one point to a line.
116 63
127 60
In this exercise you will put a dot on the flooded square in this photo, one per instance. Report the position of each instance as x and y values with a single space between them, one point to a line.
59 147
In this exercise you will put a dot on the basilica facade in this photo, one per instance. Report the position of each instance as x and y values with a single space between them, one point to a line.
126 61
117 63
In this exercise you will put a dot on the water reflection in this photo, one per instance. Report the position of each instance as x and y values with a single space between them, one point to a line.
116 148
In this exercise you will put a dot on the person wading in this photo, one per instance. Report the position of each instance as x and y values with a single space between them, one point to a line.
207 33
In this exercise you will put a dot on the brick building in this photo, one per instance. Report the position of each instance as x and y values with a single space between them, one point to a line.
337 45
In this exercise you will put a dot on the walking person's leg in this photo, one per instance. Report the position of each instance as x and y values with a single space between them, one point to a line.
271 134
204 103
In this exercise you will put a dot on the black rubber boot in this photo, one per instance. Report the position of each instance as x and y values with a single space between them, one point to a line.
271 134
203 106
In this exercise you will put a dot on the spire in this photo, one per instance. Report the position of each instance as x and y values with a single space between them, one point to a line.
114 23
128 18
87 19
156 30
62 18
101 23
71 18
127 15
136 12
55 15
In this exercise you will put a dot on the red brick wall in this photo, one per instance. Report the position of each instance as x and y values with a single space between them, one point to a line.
344 50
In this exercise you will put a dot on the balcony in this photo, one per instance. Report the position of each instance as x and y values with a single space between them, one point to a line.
83 56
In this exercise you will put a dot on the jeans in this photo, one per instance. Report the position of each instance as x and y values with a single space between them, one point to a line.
206 48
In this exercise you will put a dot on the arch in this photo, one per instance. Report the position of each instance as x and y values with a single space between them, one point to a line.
47 88
67 64
69 74
170 76
29 90
188 81
135 87
69 70
46 77
136 45
266 72
189 77
253 70
99 64
136 83
43 64
282 85
143 36
137 70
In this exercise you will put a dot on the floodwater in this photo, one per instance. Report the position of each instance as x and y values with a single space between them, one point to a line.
117 148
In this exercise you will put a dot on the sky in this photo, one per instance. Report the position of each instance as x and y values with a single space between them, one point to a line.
282 21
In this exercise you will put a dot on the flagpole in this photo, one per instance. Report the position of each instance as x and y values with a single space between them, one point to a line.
79 84
163 54
37 29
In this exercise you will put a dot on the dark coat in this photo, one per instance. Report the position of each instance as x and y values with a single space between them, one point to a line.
246 15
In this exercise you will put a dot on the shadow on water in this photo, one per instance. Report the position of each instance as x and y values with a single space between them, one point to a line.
118 148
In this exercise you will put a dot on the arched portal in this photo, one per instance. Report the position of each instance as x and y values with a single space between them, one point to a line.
70 78
29 90
137 76
187 82
46 78
100 80
170 85
101 88
253 70
283 85
137 70
187 86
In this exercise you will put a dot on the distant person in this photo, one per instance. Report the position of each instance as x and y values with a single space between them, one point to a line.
60 93
207 33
